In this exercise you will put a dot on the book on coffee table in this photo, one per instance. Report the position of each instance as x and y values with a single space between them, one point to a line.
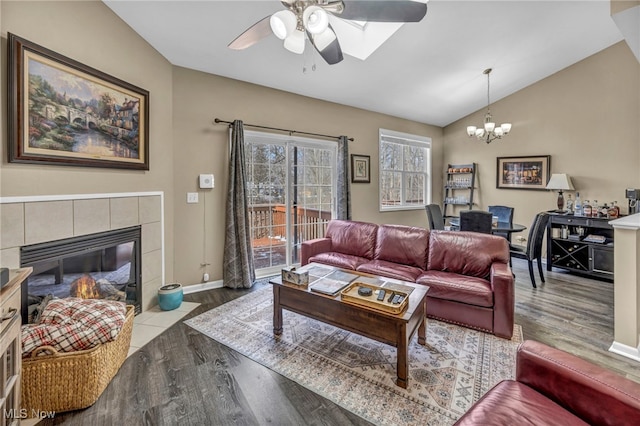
333 283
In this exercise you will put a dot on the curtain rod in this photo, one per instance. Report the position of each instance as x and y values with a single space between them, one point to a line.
217 121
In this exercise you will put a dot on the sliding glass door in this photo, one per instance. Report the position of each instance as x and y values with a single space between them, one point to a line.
291 183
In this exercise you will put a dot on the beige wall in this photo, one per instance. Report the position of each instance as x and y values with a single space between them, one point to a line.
585 117
89 32
202 147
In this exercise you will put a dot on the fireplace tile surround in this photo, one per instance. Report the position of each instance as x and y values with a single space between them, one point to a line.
36 219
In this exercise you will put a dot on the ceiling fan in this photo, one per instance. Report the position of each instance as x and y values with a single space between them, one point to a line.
304 19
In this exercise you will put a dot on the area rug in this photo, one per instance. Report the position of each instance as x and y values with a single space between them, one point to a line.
446 376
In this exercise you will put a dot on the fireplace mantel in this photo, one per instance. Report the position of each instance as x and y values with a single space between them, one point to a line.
36 219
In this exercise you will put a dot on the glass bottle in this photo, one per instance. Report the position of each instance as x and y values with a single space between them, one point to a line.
615 206
569 204
612 213
595 210
578 205
586 209
604 211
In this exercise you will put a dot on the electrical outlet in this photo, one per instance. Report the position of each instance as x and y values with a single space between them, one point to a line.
205 277
192 197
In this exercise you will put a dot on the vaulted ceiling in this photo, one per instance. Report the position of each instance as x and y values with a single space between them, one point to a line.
430 71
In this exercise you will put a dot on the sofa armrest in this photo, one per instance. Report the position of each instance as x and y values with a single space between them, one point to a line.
311 248
593 393
502 285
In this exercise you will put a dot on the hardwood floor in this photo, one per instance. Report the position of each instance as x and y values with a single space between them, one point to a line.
183 377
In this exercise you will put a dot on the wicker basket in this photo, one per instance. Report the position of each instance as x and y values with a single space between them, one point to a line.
73 380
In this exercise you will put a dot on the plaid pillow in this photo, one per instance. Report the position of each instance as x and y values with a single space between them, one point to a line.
74 324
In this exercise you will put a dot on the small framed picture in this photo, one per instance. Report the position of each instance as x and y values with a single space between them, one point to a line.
360 168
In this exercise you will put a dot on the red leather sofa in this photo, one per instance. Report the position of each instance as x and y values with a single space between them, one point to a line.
468 273
553 387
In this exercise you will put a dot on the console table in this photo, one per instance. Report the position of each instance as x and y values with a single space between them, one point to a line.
573 252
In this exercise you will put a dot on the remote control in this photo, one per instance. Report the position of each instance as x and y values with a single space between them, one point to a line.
396 299
391 297
381 294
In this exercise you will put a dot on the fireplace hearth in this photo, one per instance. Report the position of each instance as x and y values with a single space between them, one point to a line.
105 265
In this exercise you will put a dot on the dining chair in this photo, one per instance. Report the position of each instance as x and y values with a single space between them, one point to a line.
476 221
504 214
434 215
533 251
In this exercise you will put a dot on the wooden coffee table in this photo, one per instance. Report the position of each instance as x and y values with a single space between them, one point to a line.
392 329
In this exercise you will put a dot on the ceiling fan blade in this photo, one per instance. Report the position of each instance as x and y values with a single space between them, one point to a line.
327 45
384 10
252 35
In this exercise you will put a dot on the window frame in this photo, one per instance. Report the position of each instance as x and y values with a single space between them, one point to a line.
405 139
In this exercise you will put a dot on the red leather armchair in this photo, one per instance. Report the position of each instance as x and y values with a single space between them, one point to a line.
553 387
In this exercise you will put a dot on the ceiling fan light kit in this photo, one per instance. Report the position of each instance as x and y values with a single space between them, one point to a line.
315 19
310 19
295 42
489 132
283 23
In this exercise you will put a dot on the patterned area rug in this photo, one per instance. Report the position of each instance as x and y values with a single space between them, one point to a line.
450 373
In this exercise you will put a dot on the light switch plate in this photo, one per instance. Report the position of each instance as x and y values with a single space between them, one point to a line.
206 181
192 197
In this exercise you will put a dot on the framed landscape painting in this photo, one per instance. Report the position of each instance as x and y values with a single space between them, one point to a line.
531 172
66 113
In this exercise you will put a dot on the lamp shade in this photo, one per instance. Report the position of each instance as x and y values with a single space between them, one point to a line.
283 23
295 42
315 19
560 181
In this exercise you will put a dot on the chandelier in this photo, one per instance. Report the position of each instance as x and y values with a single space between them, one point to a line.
489 132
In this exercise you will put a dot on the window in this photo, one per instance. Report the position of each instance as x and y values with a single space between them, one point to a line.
291 183
405 171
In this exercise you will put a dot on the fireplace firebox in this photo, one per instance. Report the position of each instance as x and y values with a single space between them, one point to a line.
105 265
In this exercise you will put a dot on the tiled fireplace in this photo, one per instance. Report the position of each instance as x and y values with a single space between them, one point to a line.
36 221
102 265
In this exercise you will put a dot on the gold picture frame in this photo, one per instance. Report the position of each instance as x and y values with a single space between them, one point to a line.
63 112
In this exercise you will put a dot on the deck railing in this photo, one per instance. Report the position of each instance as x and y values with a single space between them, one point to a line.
269 221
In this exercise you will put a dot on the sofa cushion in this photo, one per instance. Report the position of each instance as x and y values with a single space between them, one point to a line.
466 253
353 238
391 270
344 261
405 245
511 402
461 288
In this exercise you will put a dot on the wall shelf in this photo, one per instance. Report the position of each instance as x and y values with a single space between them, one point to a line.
459 187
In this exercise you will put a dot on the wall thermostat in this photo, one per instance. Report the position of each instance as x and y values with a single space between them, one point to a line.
206 181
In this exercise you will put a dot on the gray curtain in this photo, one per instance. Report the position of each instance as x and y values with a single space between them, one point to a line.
237 270
343 208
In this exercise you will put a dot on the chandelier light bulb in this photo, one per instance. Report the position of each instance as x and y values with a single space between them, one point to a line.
498 131
315 19
283 23
506 127
471 130
489 126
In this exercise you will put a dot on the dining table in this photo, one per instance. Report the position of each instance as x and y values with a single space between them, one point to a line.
496 227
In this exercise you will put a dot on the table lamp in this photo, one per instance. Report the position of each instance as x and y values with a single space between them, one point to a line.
560 182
